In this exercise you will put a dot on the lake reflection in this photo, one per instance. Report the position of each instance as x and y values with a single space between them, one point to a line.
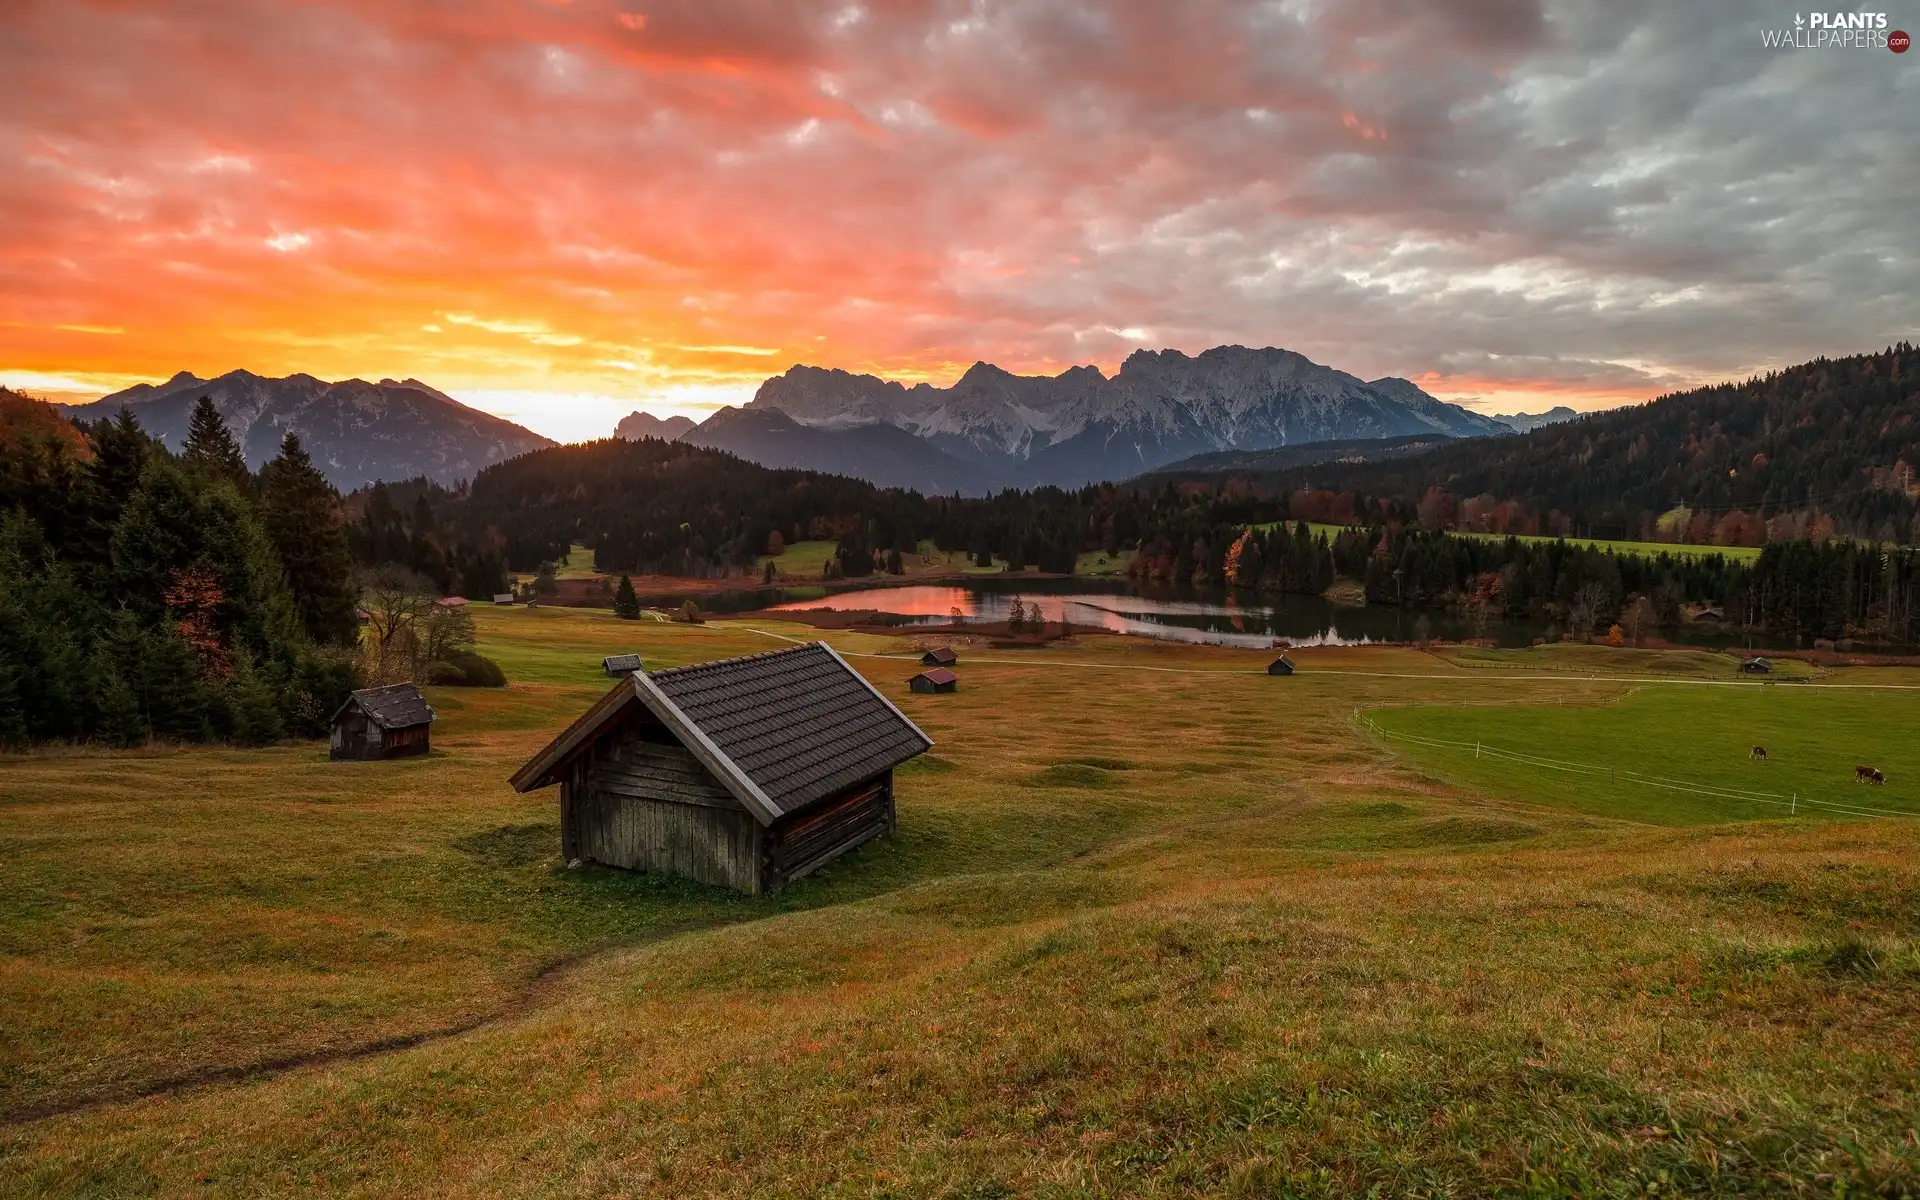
1223 619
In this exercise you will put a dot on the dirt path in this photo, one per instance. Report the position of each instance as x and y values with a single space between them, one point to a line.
531 995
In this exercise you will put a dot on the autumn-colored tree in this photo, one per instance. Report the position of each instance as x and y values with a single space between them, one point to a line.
1231 565
193 597
1616 636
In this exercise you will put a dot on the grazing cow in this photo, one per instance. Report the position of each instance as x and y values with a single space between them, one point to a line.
1868 775
1759 752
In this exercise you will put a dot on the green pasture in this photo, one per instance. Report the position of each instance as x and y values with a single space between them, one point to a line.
1641 549
1677 755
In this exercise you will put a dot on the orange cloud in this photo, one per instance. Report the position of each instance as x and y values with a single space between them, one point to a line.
637 202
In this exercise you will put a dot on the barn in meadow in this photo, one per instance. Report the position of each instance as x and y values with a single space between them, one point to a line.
1280 666
939 656
382 722
937 680
746 772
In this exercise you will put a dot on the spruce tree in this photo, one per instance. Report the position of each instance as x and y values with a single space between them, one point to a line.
210 446
626 605
301 512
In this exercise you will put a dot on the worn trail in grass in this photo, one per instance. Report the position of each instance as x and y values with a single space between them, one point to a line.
1140 934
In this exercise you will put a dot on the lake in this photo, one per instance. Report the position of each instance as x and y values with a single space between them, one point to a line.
1172 614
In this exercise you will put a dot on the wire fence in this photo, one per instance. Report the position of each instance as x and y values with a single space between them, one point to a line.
1793 803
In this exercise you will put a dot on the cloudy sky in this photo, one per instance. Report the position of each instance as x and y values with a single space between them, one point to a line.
560 210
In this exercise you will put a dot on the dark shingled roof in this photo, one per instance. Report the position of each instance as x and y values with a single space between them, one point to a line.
937 675
939 656
800 723
778 730
396 706
620 664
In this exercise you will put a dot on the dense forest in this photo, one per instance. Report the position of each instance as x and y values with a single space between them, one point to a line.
145 594
1829 447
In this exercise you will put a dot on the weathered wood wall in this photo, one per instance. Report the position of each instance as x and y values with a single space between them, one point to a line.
355 736
639 800
695 841
816 836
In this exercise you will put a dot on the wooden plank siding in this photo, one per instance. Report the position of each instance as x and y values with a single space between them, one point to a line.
817 835
678 783
633 800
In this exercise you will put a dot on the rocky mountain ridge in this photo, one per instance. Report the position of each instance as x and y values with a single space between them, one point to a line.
1081 426
356 432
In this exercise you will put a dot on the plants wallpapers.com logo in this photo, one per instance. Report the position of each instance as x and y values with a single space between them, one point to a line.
1837 31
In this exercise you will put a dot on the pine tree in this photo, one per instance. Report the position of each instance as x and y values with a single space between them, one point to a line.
301 513
210 446
626 605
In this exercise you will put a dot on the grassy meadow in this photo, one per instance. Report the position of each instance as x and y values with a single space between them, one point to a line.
1154 924
1642 549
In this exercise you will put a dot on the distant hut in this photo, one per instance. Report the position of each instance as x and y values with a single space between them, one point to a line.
382 722
1756 666
937 680
452 602
617 665
1280 666
940 656
746 772
505 599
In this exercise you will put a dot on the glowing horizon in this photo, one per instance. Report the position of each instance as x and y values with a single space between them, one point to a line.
561 211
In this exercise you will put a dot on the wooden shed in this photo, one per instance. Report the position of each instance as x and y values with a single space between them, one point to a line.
1756 666
937 680
382 722
746 772
940 656
1280 666
503 598
616 665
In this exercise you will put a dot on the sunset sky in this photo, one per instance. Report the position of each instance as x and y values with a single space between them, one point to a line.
561 210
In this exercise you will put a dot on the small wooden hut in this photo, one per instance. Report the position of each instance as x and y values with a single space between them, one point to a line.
452 602
940 656
616 665
382 722
1280 666
937 680
1756 666
746 772
504 599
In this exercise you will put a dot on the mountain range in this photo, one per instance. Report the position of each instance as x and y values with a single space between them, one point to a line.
995 429
356 432
636 425
1527 422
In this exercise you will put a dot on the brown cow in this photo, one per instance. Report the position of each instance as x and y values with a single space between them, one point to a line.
1759 752
1868 775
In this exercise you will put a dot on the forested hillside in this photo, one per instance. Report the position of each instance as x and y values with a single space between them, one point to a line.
1829 447
145 594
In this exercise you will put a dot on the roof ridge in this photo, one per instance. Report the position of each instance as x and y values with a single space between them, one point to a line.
741 658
